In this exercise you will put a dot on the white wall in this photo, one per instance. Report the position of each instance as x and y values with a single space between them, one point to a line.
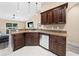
73 25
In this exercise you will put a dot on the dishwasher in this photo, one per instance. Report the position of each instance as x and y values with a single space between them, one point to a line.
44 41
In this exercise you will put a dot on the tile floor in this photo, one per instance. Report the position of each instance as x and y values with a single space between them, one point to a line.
36 51
3 45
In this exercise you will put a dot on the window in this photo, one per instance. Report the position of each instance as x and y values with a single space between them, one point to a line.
14 25
10 26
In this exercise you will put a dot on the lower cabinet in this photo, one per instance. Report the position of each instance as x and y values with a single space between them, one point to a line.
57 45
31 38
18 40
53 43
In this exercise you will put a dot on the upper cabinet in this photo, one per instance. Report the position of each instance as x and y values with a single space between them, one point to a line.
56 15
50 17
60 15
43 18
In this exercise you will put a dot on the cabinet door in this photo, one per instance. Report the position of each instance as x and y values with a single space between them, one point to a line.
18 41
50 17
44 18
56 16
32 39
28 39
61 49
60 15
53 44
57 45
36 38
64 15
61 45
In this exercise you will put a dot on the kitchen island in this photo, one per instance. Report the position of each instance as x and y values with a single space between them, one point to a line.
54 41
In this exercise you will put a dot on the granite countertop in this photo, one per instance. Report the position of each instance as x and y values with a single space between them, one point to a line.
59 33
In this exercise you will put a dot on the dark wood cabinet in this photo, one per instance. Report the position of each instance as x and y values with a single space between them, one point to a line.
50 17
47 17
28 39
44 18
31 39
57 45
60 15
56 15
18 41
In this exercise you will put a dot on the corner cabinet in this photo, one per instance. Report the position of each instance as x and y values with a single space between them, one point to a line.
57 45
56 15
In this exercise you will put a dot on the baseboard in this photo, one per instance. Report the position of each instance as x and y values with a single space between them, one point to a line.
73 47
73 44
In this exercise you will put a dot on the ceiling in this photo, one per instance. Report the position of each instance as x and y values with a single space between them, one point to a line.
21 10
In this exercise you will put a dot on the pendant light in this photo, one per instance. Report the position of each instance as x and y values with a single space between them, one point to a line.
17 10
28 6
13 16
36 6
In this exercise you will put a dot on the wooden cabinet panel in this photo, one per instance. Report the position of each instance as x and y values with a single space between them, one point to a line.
60 15
63 15
56 15
36 41
18 40
47 17
57 44
31 38
61 49
28 41
50 17
52 44
44 18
